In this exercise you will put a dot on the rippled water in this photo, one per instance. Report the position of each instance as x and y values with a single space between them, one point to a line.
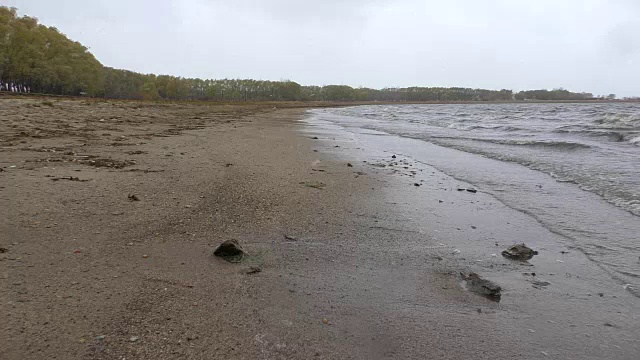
596 146
573 167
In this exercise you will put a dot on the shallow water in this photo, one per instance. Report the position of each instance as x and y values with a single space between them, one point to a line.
575 168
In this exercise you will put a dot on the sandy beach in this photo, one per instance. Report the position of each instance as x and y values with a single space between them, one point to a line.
111 212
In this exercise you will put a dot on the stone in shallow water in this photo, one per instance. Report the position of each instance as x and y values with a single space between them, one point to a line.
519 252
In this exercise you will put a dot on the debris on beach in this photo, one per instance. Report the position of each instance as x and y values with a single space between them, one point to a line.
290 238
315 138
519 252
133 197
231 251
314 184
70 178
478 285
471 190
540 284
254 270
107 163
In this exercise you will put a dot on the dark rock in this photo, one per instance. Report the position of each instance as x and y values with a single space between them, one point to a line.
472 190
315 138
482 286
349 165
231 251
133 197
461 189
393 157
519 252
3 250
416 184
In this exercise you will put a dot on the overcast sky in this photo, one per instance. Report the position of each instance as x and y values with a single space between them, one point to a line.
581 45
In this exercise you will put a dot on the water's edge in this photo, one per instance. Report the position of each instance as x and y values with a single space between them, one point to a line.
604 233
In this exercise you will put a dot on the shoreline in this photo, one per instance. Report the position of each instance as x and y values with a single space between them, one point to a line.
469 230
90 274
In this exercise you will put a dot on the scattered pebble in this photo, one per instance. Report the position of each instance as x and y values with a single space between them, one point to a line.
133 339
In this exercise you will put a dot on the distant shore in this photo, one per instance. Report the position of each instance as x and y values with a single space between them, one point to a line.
307 104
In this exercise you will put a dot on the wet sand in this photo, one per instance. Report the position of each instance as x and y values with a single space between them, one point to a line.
371 271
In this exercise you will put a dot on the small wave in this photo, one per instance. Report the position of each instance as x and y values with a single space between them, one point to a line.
511 128
614 136
539 143
618 120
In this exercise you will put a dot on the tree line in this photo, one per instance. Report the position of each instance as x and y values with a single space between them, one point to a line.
35 58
